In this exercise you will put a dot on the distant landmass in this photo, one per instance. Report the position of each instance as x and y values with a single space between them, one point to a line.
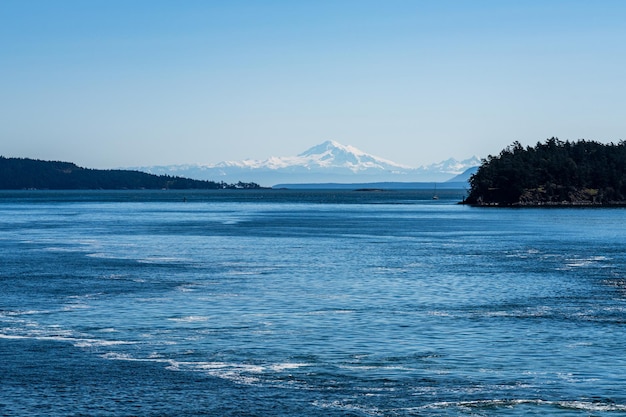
584 173
24 173
448 185
328 162
459 182
465 176
330 165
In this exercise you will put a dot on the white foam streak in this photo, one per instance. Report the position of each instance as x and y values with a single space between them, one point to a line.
281 367
98 342
189 319
160 259
237 372
340 405
585 262
593 406
64 338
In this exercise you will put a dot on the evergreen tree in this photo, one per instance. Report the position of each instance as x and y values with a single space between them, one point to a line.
553 172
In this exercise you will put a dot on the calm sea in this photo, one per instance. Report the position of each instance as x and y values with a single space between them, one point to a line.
285 303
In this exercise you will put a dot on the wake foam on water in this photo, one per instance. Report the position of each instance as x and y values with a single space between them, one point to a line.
17 326
78 342
64 249
142 260
162 260
349 408
16 313
579 405
586 262
238 372
242 373
189 319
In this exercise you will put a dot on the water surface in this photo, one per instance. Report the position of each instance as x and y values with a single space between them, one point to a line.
279 302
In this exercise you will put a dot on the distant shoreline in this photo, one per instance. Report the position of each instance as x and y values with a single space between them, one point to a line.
33 174
434 186
539 205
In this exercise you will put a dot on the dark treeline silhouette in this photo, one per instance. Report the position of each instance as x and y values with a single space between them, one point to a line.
24 173
552 173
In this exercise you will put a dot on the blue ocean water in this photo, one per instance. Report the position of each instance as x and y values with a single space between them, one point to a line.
286 303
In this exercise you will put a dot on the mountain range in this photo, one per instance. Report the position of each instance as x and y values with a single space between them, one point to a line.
328 162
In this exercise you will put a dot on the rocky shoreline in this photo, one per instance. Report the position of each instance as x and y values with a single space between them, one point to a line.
540 197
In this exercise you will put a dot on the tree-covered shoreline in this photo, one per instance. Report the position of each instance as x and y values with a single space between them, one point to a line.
553 173
25 173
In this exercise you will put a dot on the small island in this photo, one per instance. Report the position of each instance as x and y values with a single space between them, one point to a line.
24 173
553 173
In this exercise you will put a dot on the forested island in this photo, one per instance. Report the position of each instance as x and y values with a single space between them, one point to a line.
553 173
24 173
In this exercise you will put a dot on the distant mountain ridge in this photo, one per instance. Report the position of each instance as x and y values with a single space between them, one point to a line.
465 175
327 162
25 173
328 155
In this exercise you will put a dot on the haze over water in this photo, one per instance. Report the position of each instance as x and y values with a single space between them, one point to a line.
279 302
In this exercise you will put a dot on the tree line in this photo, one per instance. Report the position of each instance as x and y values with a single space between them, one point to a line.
25 173
554 172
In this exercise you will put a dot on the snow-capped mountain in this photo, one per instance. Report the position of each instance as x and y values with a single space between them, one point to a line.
327 162
328 155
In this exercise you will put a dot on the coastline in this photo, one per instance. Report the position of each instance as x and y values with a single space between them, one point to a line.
549 204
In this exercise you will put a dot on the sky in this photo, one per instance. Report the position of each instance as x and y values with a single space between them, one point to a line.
117 83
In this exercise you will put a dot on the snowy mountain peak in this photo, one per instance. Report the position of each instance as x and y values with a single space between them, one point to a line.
334 154
330 147
454 166
329 161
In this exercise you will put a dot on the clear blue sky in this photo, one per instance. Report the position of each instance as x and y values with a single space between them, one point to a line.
108 83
